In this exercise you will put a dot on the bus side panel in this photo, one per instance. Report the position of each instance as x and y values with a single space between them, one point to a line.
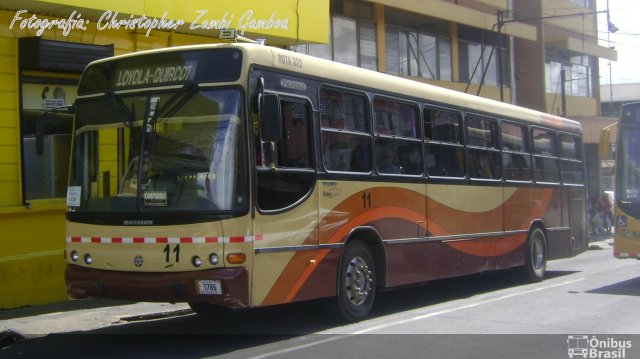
460 257
412 262
470 212
523 205
321 282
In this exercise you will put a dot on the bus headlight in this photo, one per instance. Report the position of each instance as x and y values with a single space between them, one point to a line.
213 259
74 256
88 259
196 261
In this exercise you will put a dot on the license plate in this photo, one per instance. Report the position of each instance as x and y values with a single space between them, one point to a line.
208 286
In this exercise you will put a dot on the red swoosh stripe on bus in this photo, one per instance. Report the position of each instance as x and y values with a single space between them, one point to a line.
441 222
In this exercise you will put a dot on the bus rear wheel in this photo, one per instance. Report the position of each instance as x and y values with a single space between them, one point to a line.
356 284
536 264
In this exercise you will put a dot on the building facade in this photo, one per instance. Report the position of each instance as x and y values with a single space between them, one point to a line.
541 54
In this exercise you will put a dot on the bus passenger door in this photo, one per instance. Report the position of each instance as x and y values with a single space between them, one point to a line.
286 209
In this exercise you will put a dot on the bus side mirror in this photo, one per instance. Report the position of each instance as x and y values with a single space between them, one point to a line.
270 119
604 146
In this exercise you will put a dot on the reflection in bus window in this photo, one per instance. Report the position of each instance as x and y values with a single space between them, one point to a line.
571 162
346 142
516 157
484 161
397 127
545 160
280 189
445 151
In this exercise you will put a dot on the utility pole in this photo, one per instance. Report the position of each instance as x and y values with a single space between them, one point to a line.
499 53
610 28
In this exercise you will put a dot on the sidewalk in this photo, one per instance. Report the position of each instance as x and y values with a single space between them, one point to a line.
79 315
91 314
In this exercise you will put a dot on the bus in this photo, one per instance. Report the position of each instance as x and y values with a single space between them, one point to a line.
626 243
240 176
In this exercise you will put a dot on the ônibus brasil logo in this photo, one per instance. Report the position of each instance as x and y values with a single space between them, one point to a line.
583 346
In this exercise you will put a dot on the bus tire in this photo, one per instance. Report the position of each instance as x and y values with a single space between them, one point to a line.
357 281
536 261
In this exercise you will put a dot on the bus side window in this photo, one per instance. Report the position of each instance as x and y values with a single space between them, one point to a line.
280 189
295 150
484 161
571 159
516 157
443 135
397 131
346 141
545 156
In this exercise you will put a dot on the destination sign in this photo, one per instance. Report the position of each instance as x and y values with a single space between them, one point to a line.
216 63
154 75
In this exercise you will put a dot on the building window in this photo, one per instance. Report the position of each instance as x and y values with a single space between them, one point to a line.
345 32
483 57
47 86
583 3
578 70
478 61
344 36
412 53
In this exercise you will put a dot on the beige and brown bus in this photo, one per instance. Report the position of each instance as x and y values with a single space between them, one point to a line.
239 176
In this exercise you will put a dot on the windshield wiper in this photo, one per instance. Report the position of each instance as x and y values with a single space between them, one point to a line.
175 102
123 111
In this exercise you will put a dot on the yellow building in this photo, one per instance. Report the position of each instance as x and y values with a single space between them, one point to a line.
44 46
517 51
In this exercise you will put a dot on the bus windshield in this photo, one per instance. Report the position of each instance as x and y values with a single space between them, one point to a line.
178 150
628 176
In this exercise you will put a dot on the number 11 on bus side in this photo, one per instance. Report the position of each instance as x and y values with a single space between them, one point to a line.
254 182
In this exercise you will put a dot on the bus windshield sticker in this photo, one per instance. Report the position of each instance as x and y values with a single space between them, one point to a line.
73 196
155 198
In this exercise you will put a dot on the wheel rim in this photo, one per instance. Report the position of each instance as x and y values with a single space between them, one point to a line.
358 281
537 253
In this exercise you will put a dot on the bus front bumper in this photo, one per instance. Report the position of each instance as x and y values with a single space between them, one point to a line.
83 282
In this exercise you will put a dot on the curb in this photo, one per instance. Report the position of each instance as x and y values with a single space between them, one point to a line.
603 244
9 337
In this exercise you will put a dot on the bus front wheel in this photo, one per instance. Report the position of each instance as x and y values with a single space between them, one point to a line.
536 264
356 284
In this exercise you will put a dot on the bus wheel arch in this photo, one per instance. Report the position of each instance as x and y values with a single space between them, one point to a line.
358 274
536 253
372 239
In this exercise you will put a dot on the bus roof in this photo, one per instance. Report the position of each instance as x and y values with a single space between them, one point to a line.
346 74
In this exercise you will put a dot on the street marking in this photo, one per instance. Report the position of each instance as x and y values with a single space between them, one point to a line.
472 305
404 321
298 347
